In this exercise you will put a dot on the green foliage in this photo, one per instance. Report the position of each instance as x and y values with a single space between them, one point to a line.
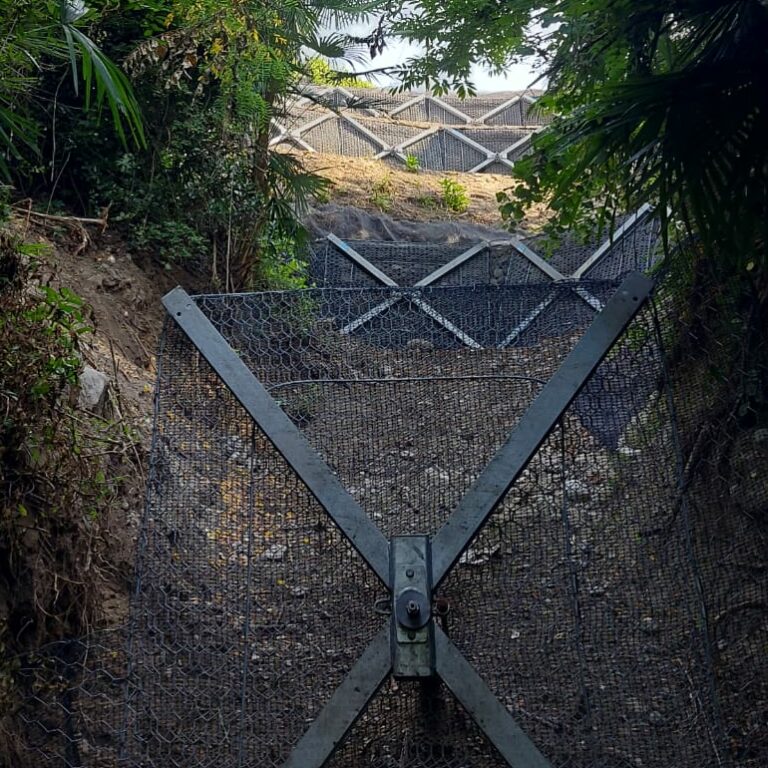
211 192
455 34
60 319
172 240
454 195
207 189
320 72
430 202
659 102
41 41
382 194
55 319
198 200
59 468
286 270
412 164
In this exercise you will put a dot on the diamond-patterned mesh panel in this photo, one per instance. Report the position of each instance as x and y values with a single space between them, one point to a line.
394 134
443 151
495 141
397 119
508 108
500 263
638 250
429 110
340 137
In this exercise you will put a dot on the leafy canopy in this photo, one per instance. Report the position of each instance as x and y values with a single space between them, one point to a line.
229 67
40 36
653 101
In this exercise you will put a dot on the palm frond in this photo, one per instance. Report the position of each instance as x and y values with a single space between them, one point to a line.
110 84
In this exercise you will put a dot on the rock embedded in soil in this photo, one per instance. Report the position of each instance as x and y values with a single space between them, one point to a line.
275 552
478 556
436 474
93 388
649 626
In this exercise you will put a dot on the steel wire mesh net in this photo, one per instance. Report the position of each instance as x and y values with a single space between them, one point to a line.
72 708
497 263
430 131
612 602
721 350
252 608
509 108
236 638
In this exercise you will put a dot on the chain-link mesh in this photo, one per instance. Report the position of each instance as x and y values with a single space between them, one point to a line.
481 134
718 362
71 701
498 263
615 602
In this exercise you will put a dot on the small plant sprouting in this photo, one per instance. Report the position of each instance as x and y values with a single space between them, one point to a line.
430 202
455 196
412 164
381 194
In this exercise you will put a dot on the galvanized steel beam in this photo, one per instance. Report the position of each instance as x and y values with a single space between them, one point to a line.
536 423
342 508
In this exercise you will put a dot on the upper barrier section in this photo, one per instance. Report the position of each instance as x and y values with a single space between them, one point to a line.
484 134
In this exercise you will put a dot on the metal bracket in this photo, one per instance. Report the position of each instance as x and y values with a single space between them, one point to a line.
413 653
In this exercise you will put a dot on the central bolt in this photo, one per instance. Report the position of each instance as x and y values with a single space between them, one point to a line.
413 608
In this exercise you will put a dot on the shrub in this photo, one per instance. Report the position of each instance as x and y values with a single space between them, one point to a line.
60 470
412 164
454 195
382 194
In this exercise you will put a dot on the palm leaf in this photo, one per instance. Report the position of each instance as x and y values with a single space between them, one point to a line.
102 75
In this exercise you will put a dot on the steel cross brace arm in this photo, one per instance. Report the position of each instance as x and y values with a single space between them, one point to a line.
537 422
320 741
281 432
628 226
349 701
345 706
351 698
385 279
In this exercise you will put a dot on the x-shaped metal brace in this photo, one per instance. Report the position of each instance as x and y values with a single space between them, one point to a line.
633 221
543 266
413 567
425 307
504 157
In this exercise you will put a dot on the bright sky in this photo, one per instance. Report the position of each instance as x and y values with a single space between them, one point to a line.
517 78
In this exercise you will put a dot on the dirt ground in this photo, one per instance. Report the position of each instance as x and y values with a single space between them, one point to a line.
123 294
123 307
376 186
123 291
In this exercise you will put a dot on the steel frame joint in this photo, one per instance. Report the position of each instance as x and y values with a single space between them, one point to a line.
413 637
